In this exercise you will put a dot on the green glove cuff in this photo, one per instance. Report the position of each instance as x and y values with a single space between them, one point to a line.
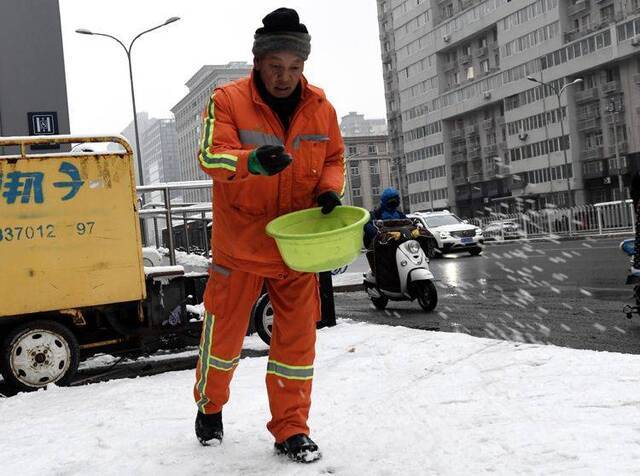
254 165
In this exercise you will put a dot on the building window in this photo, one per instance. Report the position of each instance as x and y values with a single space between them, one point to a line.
355 169
484 66
375 191
356 192
373 149
351 150
373 168
469 74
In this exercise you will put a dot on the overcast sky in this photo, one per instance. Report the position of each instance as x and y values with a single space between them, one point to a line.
344 60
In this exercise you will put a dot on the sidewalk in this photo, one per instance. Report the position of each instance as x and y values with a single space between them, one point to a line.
386 400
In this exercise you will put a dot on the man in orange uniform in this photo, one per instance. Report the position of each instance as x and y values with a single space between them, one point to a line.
272 144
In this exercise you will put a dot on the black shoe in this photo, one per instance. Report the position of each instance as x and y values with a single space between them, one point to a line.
209 428
299 448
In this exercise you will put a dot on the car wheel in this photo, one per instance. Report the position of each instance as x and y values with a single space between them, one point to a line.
38 353
475 252
426 293
263 318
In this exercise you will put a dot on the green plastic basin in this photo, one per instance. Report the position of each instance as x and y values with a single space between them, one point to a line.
311 242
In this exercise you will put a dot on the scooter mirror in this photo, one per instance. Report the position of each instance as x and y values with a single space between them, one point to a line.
379 223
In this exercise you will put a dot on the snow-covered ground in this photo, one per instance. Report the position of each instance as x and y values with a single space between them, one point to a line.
387 401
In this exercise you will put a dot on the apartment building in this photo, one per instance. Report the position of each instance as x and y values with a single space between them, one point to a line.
188 115
472 87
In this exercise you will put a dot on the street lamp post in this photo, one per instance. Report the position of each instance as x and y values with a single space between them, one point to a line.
430 189
564 146
614 112
84 31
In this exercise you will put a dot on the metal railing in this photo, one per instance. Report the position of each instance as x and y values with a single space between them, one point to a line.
175 214
598 219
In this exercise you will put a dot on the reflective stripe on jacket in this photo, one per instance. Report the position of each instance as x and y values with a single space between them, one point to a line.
236 121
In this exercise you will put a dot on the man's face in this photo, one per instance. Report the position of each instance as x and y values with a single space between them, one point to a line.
280 72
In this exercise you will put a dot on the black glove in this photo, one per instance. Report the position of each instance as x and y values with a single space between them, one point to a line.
328 201
268 160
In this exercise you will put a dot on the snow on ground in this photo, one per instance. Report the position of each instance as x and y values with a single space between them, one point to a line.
347 279
387 401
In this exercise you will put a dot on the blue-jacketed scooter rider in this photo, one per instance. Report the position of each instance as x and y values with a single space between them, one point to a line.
387 210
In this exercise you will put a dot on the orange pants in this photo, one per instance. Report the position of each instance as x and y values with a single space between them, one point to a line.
229 297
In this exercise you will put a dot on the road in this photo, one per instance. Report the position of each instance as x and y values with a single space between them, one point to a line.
565 293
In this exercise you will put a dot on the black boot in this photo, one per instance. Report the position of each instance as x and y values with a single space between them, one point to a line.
299 448
209 428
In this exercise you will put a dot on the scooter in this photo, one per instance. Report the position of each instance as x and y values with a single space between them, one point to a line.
628 247
399 266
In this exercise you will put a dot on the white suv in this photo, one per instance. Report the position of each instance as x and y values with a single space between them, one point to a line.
452 234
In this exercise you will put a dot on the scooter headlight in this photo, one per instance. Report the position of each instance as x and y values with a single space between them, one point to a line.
413 247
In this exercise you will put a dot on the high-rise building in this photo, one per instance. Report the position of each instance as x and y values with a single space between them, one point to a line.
33 90
159 157
471 130
188 114
368 169
129 133
158 144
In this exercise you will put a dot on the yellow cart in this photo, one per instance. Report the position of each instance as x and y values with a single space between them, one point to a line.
73 277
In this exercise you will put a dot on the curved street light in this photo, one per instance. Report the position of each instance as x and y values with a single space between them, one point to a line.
564 149
84 31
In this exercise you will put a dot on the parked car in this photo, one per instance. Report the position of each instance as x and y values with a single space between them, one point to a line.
452 234
502 230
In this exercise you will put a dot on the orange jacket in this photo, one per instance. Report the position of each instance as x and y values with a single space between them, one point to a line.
237 121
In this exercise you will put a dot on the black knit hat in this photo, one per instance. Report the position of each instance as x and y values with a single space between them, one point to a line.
282 31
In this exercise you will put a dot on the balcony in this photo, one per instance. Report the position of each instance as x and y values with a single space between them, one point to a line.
589 124
593 170
480 52
473 153
615 118
458 157
611 87
459 180
488 124
476 177
592 153
464 59
587 95
490 150
615 170
622 149
579 7
457 134
471 131
500 121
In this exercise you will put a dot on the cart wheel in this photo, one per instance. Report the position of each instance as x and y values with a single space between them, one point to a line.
263 318
380 302
38 353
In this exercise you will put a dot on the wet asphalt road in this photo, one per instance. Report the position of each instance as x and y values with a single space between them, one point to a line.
565 293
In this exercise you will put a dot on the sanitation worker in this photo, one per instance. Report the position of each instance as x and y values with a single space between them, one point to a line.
272 144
